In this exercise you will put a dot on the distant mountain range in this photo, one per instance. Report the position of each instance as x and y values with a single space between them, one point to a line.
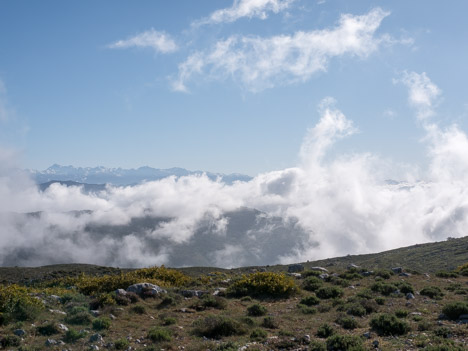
120 176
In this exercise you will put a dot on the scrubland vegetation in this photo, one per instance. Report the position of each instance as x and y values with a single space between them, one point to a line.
264 308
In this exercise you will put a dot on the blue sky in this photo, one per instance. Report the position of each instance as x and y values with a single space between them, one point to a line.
204 85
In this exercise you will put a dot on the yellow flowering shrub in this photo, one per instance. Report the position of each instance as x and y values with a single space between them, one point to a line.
16 304
263 284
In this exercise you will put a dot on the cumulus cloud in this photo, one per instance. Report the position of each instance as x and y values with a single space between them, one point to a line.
245 8
259 63
160 42
324 207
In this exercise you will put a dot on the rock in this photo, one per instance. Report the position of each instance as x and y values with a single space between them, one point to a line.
397 270
219 292
295 268
366 274
321 269
55 297
94 347
375 343
111 316
121 292
51 342
96 338
95 313
192 293
352 266
295 275
404 274
58 312
323 276
409 296
442 316
367 335
463 319
416 313
306 339
427 275
19 332
146 288
63 327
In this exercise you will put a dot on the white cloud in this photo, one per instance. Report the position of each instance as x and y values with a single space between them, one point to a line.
245 8
423 93
259 63
158 41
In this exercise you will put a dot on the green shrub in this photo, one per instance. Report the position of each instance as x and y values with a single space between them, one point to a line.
401 313
315 345
138 309
424 325
159 334
325 331
433 292
384 288
169 300
48 329
258 334
383 273
270 323
264 284
443 332
10 340
102 323
347 322
121 344
355 309
455 309
380 301
17 305
79 318
445 274
216 327
256 310
169 321
209 301
365 294
72 335
310 273
310 300
329 292
344 343
312 283
226 346
307 309
405 287
388 324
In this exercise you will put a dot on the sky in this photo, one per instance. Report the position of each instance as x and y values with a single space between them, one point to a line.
351 116
223 86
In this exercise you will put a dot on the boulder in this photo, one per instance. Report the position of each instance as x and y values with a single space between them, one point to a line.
397 270
146 288
19 332
320 269
409 296
96 338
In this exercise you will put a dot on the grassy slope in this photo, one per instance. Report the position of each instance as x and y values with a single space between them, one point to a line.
431 257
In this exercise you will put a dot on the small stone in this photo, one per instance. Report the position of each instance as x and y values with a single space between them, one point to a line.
50 342
111 316
19 332
95 313
96 338
94 347
397 270
63 327
367 335
409 296
375 343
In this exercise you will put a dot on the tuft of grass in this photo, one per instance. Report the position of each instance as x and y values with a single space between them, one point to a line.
102 323
256 310
258 334
159 334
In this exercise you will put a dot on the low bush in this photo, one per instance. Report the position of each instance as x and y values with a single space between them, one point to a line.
315 345
355 309
401 313
48 329
384 288
433 292
445 274
102 323
347 322
264 285
256 310
138 309
312 283
169 321
79 318
307 309
17 305
72 335
310 273
159 334
380 301
258 334
209 301
325 331
216 327
169 300
270 323
455 309
389 324
121 344
344 343
10 340
310 300
383 273
405 287
329 292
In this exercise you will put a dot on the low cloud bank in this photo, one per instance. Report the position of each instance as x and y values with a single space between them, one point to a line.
321 208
